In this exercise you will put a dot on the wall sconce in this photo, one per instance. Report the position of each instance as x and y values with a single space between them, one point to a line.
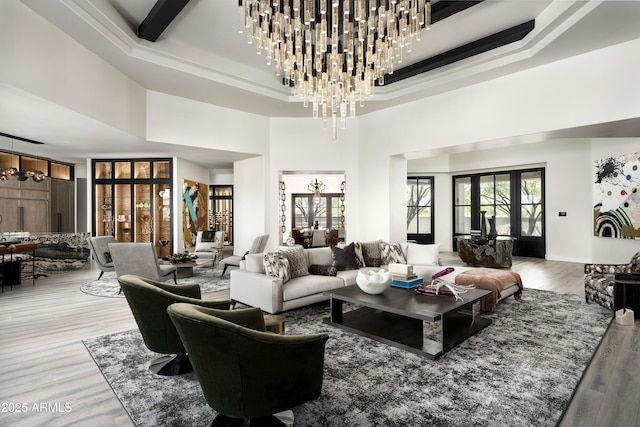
316 188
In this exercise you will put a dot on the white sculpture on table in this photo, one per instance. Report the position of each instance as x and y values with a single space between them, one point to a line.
373 282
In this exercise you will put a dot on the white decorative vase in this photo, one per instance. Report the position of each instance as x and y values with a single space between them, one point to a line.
373 282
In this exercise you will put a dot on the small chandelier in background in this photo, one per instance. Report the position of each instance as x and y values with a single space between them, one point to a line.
316 188
333 51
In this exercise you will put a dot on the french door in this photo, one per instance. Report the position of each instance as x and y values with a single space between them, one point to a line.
514 198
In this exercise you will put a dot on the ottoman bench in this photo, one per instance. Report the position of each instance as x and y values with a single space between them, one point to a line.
501 283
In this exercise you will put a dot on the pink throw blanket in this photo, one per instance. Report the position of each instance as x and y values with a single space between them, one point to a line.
490 279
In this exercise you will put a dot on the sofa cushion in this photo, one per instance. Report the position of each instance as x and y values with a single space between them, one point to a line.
309 285
298 266
391 253
323 270
344 259
320 256
276 265
348 276
423 254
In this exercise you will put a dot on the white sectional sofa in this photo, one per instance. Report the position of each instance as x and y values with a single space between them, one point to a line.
250 284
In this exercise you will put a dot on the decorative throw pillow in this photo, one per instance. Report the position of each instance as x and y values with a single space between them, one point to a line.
275 265
323 270
634 265
371 253
208 236
392 253
297 262
344 259
357 246
423 254
107 257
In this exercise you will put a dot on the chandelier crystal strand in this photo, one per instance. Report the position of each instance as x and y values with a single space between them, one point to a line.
332 52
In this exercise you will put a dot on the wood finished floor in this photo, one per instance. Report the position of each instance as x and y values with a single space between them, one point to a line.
43 360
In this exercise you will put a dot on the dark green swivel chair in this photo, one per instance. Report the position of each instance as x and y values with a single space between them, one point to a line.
247 374
149 300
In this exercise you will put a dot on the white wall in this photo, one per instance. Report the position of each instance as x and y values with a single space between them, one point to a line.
39 58
250 216
302 145
221 177
177 120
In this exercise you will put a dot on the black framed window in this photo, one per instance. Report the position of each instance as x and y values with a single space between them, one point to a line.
306 212
420 201
514 198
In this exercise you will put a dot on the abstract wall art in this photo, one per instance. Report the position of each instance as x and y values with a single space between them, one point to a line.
194 200
616 209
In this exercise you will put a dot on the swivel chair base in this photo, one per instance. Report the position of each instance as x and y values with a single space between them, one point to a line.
171 365
281 419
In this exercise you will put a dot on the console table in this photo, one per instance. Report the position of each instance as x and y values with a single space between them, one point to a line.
486 253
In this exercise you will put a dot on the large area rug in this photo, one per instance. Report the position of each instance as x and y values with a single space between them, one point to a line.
520 371
208 279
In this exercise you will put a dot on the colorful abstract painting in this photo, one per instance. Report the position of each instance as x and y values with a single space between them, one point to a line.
616 209
194 201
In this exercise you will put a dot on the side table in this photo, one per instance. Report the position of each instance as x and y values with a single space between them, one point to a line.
486 253
626 293
274 323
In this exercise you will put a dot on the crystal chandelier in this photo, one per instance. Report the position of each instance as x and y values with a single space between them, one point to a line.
332 52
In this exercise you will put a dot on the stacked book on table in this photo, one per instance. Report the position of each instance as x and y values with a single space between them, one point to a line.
402 276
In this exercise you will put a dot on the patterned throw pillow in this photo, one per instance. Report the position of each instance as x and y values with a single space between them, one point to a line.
392 253
344 259
323 270
275 265
634 264
357 247
298 265
371 253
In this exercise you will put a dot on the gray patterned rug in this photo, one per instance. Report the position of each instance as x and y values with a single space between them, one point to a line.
520 371
208 279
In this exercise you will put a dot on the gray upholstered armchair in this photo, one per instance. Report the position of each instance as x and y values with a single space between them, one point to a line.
246 373
101 253
258 246
148 300
140 259
599 280
209 248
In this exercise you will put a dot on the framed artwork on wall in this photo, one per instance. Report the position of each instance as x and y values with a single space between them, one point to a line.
616 209
194 201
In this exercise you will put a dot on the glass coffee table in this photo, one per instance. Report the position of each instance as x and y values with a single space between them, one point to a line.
422 324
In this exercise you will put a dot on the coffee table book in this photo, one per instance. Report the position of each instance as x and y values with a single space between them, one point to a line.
407 283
